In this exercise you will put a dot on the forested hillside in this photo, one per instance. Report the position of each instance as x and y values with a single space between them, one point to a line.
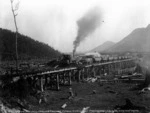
27 48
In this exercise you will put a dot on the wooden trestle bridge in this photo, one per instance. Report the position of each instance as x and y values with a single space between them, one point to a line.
55 79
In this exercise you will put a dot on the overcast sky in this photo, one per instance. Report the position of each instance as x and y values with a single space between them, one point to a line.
54 21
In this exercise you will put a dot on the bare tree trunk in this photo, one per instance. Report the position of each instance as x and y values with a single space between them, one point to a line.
14 15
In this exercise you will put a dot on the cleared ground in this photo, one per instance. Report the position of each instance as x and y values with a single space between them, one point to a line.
105 97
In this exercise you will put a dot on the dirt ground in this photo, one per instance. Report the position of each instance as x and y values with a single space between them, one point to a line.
97 96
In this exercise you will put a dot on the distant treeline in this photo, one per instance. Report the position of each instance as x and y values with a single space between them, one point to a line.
27 48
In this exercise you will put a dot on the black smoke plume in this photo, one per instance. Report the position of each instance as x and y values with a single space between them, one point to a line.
87 25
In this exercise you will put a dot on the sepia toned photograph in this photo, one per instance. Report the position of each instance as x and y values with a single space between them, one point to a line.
74 56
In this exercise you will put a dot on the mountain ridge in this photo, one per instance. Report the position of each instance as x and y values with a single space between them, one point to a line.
103 46
137 41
